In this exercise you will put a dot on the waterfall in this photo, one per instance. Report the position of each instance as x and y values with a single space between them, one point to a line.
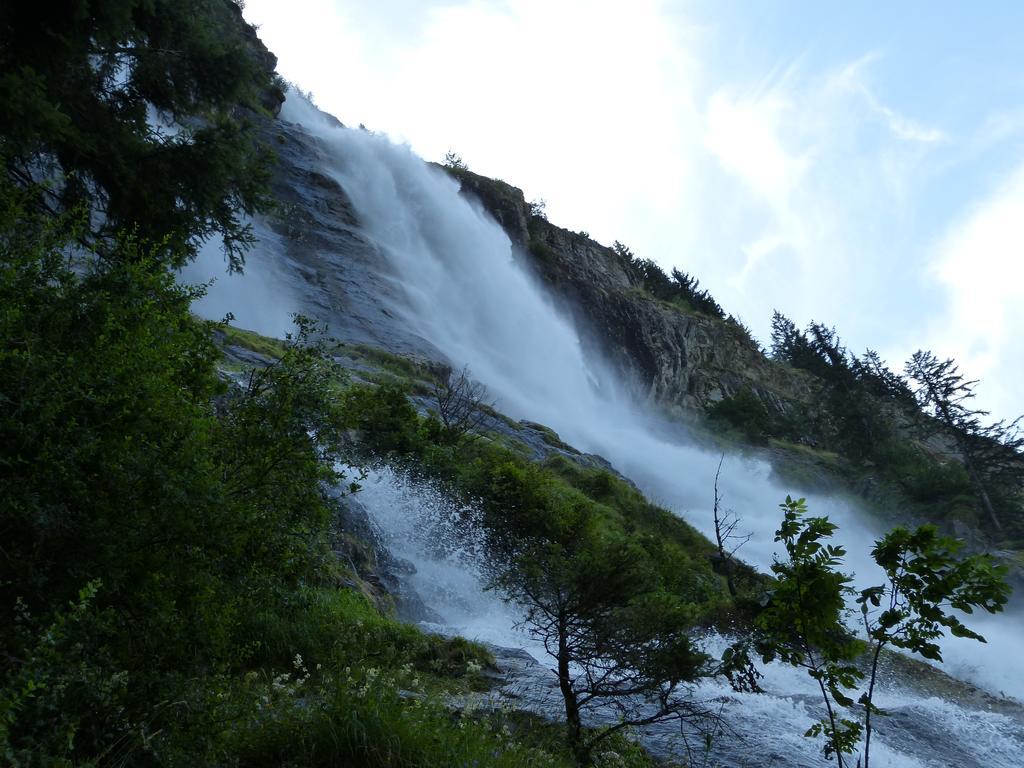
462 291
420 524
465 294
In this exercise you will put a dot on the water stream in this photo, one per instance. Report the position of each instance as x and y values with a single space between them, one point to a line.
462 290
420 524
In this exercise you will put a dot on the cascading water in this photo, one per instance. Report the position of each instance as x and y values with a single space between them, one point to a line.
420 524
464 293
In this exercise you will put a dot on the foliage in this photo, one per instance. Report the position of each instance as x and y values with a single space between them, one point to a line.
103 98
804 623
688 288
453 161
993 455
59 688
745 411
542 251
624 253
620 582
168 593
240 337
126 461
460 405
681 288
365 716
385 418
210 628
870 414
742 331
923 478
926 580
609 608
868 411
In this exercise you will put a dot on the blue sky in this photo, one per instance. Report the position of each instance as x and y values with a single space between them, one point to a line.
859 163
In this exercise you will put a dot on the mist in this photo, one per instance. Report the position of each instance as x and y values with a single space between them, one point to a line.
258 298
464 292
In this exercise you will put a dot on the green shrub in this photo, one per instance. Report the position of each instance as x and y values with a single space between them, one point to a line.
744 411
921 477
385 416
543 252
368 717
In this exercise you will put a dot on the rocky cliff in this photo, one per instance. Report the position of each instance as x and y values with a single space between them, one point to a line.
677 358
682 361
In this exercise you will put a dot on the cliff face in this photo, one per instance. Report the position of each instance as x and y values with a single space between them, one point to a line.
682 361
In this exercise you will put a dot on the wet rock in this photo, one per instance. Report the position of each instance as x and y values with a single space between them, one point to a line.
357 541
681 361
338 277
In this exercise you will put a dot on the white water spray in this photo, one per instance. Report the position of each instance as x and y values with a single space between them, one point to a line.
464 293
421 525
259 298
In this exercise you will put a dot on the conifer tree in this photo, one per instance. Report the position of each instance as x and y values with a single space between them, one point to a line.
987 452
135 110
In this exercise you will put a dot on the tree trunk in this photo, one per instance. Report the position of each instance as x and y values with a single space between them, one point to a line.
726 558
573 722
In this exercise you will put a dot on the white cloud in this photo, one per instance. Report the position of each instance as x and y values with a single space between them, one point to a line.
550 95
852 79
745 135
799 190
980 264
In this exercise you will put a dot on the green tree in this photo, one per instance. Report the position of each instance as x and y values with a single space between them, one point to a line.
805 625
136 111
611 609
128 463
926 579
699 298
454 162
991 454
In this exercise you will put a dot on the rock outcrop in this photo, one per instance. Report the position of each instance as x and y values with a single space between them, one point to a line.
679 360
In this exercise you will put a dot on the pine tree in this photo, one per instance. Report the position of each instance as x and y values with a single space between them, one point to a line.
987 451
135 110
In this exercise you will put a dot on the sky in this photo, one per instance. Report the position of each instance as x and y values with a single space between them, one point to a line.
859 164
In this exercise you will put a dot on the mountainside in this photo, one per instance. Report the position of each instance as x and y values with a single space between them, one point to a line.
681 361
688 363
474 490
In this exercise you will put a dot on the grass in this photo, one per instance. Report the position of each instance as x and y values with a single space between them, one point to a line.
818 455
397 365
365 718
551 437
629 505
264 345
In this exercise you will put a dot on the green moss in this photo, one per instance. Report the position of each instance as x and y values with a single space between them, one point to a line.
402 367
251 340
543 252
496 414
551 437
